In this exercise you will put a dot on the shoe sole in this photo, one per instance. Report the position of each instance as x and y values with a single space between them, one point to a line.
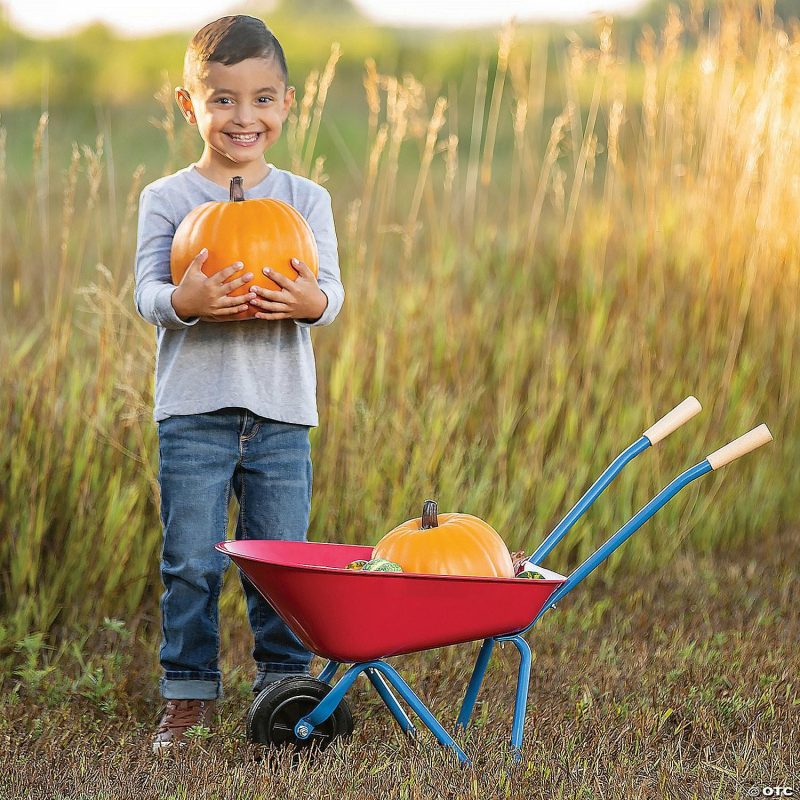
159 748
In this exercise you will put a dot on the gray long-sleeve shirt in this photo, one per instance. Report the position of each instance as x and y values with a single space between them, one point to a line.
266 366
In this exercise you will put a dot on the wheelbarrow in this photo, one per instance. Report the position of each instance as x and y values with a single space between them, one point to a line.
363 618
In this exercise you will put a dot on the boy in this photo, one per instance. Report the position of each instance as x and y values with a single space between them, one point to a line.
233 402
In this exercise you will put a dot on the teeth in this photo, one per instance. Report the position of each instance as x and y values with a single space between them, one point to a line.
243 137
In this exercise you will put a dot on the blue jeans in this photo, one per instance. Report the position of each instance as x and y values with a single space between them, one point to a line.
201 456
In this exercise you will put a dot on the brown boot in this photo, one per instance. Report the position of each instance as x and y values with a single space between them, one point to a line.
179 716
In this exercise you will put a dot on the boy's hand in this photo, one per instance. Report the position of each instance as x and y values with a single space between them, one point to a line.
198 295
297 299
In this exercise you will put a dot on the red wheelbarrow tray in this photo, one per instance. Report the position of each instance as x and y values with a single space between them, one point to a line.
351 616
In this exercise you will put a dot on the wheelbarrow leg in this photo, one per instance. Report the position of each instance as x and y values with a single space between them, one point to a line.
419 708
381 688
475 682
523 681
391 702
330 670
305 725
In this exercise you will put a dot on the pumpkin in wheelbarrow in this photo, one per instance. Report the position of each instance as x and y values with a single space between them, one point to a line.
446 544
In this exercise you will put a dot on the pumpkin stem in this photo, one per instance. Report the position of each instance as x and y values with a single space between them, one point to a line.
237 189
429 515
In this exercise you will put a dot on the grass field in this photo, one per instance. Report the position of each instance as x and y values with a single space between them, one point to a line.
539 263
677 683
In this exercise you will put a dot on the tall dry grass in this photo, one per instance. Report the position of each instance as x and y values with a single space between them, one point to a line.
520 307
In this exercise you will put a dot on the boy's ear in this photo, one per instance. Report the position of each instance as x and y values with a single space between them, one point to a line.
184 102
288 100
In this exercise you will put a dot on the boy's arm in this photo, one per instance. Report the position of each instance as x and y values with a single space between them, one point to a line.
320 218
153 286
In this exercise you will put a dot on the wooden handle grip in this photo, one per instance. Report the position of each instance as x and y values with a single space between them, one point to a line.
683 412
739 447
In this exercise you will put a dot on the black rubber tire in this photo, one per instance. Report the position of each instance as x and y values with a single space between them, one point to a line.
276 710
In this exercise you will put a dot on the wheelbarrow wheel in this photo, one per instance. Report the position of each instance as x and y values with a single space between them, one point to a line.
277 709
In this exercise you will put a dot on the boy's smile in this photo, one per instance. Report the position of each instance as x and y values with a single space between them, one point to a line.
239 110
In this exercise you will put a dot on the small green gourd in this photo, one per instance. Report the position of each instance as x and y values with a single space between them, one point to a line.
381 565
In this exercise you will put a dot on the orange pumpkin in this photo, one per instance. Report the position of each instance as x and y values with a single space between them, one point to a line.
446 544
260 233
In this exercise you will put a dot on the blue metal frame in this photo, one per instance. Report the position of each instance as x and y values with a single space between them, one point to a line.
381 688
594 491
382 675
471 695
557 534
376 679
305 725
330 670
521 701
583 571
623 534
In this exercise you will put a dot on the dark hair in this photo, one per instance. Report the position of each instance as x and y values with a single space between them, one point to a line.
229 40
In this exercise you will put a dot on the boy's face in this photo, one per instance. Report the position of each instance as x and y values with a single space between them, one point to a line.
239 109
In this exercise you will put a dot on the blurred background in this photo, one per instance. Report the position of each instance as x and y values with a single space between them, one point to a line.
552 230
